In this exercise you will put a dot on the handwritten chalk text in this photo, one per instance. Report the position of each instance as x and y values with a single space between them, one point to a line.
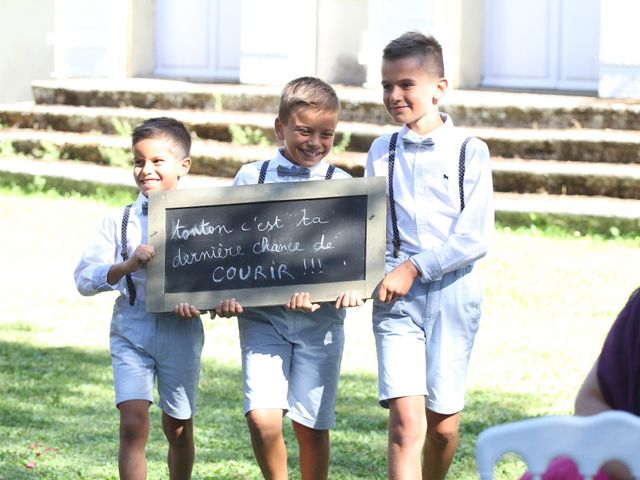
203 228
251 272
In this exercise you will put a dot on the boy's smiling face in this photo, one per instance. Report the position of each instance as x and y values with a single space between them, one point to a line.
411 93
157 164
308 135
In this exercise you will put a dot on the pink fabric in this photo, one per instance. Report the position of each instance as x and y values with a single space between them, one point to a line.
564 468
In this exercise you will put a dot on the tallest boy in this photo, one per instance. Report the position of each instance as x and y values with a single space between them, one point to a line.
439 222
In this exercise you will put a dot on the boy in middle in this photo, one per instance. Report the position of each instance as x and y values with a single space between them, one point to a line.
291 355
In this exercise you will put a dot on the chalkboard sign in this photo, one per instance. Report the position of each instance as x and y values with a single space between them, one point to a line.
260 244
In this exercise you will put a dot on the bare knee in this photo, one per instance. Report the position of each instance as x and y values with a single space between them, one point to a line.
442 430
178 432
442 437
407 423
134 421
265 425
406 434
310 436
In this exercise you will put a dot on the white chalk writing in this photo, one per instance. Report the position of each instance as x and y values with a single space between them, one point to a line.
306 221
181 259
251 273
203 228
265 245
262 225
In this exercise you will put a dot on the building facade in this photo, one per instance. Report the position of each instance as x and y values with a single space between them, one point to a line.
553 45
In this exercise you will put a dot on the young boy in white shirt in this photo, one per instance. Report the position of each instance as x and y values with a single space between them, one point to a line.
440 220
291 355
146 345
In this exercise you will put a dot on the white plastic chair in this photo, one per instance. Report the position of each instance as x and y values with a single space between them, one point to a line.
588 441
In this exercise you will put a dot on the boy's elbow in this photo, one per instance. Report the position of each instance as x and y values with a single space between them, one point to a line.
85 292
84 287
483 250
480 251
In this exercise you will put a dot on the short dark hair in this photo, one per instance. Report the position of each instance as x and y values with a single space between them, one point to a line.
308 92
164 127
416 44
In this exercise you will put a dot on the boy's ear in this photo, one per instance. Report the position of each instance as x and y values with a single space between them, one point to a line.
185 166
279 127
441 89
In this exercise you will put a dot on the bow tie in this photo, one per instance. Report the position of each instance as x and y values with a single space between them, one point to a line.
424 143
145 208
293 171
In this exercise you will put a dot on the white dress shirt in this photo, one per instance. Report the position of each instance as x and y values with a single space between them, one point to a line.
105 249
249 173
432 229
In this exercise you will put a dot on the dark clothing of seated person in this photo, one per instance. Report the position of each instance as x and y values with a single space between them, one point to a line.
612 384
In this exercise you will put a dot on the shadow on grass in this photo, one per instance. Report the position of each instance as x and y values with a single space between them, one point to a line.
57 412
53 410
484 409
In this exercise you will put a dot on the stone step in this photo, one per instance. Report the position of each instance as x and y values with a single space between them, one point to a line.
566 178
586 145
210 157
222 159
603 215
229 126
589 145
81 173
468 108
577 213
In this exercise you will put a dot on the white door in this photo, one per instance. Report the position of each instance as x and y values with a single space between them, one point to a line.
198 39
547 44
619 53
278 40
90 38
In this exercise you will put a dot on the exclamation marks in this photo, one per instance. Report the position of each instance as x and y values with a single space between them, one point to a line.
312 266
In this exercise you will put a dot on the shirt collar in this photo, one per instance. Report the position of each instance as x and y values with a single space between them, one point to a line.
436 134
284 161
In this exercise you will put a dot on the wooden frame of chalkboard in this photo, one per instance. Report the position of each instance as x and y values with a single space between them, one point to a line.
260 244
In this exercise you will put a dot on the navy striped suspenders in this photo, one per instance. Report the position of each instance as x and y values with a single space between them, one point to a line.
125 255
461 168
392 204
330 171
263 171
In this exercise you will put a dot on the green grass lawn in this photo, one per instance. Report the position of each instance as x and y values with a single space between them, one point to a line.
550 300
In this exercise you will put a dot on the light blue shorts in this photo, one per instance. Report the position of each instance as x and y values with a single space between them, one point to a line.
144 346
424 339
291 361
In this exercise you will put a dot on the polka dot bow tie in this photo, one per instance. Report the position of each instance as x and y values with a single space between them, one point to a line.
424 143
293 171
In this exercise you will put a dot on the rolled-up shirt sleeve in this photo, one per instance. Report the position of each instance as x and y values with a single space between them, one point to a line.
91 272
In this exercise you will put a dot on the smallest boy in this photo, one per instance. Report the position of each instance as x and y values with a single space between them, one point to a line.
440 221
146 345
291 354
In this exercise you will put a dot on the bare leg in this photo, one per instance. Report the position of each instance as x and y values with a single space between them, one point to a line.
265 427
134 432
441 444
181 453
407 429
314 452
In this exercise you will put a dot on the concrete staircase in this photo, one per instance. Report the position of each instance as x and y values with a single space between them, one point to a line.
565 160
